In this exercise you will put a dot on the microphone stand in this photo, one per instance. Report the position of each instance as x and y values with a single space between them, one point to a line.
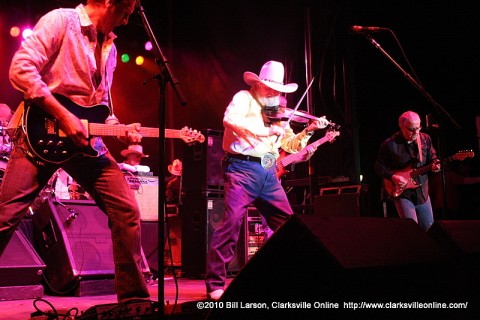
164 77
440 110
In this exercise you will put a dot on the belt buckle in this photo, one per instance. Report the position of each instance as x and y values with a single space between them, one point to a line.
268 160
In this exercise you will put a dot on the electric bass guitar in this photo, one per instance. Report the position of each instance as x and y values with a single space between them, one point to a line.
410 174
50 144
285 160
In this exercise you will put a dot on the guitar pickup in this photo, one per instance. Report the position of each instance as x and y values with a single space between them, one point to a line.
85 125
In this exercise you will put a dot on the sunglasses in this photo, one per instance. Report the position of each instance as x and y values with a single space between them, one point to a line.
413 129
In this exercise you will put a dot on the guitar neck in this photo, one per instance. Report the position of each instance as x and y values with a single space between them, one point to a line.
295 156
422 170
98 129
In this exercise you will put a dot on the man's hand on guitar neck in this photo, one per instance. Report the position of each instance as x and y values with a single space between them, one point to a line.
436 166
310 151
132 134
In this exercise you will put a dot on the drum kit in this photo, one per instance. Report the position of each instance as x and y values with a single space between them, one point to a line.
5 144
64 187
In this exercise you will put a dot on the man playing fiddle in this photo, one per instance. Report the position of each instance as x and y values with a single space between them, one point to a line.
252 146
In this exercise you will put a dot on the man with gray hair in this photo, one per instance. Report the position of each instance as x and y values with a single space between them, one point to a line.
398 156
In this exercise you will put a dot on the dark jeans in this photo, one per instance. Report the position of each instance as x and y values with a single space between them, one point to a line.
420 213
246 182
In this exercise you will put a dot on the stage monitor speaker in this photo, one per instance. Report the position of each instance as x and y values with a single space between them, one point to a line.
202 164
146 194
459 237
74 249
20 265
346 201
201 214
344 259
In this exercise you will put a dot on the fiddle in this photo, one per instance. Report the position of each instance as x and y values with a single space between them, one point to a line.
283 114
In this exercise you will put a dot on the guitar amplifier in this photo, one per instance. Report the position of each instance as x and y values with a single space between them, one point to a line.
145 189
345 201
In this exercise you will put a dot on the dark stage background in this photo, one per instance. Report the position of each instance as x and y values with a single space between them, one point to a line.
209 44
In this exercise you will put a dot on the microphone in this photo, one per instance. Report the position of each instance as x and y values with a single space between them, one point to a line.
71 217
367 29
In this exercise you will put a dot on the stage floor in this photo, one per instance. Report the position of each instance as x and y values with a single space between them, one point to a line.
177 293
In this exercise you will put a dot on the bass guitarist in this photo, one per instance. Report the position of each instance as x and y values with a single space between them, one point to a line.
71 52
397 159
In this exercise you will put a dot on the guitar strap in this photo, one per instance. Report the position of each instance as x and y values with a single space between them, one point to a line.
419 145
16 120
110 99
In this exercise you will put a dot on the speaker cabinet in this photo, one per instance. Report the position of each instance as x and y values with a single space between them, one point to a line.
20 265
150 243
173 247
202 213
459 237
346 201
74 250
146 194
255 235
173 244
202 164
342 259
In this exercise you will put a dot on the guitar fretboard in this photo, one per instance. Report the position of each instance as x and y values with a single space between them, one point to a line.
98 129
287 160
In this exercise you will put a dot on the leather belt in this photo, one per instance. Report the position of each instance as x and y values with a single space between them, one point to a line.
244 157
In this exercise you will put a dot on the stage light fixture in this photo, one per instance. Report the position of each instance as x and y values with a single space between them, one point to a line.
139 60
148 45
125 58
26 33
14 31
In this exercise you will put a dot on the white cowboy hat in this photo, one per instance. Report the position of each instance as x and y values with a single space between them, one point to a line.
176 167
271 75
134 148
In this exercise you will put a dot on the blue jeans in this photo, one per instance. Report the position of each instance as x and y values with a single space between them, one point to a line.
246 182
103 180
421 213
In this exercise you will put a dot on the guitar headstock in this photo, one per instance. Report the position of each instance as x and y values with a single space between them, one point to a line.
462 155
331 135
191 136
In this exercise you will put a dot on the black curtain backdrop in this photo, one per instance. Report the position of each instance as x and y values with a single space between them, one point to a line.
209 44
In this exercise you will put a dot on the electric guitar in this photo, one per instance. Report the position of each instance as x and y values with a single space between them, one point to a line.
50 144
285 160
410 173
